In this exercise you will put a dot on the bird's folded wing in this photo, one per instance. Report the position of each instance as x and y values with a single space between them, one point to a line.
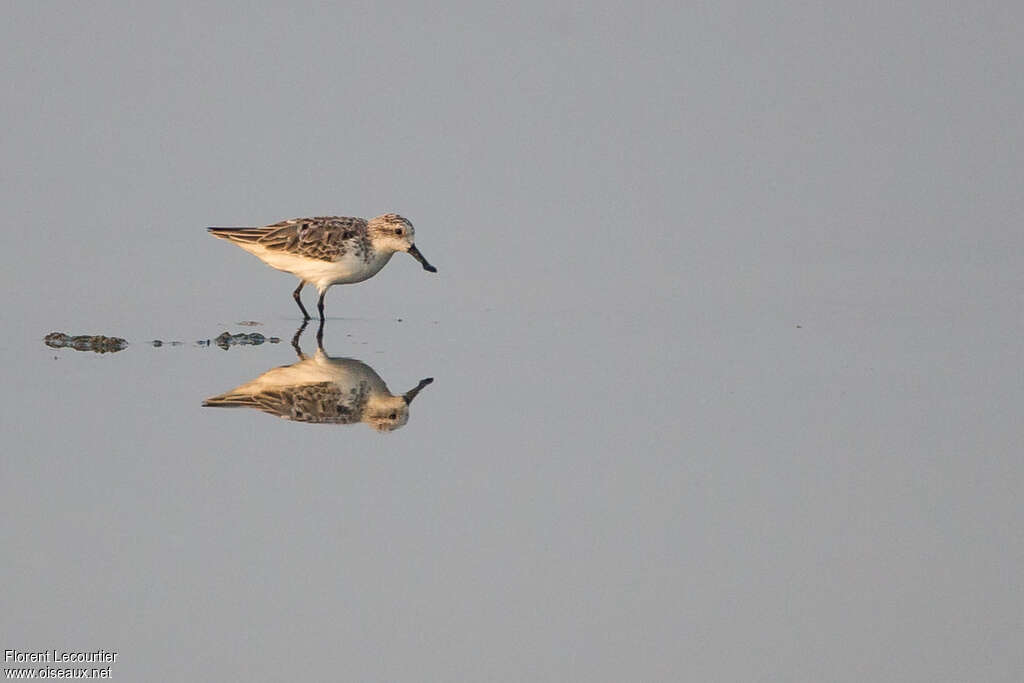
323 237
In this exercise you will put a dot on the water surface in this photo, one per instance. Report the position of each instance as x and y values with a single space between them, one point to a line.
725 344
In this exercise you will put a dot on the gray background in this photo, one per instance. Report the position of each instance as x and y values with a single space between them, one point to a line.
726 338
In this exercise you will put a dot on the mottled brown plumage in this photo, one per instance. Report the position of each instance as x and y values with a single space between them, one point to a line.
321 403
324 238
323 390
327 250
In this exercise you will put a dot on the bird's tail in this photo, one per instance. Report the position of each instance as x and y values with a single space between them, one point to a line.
243 235
230 400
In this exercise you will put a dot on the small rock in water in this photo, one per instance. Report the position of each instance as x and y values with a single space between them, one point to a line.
226 340
157 343
249 323
97 343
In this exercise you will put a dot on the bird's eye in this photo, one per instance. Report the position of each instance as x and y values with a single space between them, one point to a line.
398 231
393 416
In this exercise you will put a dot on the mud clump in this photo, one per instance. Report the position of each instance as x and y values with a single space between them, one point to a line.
226 340
97 343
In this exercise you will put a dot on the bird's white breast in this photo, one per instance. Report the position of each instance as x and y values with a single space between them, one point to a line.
348 269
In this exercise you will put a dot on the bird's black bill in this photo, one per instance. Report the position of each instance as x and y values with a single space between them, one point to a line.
415 253
411 394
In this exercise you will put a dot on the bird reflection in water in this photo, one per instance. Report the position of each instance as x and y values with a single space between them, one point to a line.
323 390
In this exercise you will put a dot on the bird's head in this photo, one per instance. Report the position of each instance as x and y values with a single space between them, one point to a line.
394 233
388 413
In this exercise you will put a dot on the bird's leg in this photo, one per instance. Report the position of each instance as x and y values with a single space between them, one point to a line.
298 300
320 335
295 339
320 305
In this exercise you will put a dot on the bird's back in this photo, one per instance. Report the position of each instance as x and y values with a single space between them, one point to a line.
321 238
323 251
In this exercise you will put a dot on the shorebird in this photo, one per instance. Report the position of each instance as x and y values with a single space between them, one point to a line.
327 250
323 390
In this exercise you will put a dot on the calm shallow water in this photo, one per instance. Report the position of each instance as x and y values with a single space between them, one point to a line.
725 342
557 503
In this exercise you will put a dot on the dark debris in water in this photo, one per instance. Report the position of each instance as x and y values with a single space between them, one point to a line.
226 340
97 343
249 323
